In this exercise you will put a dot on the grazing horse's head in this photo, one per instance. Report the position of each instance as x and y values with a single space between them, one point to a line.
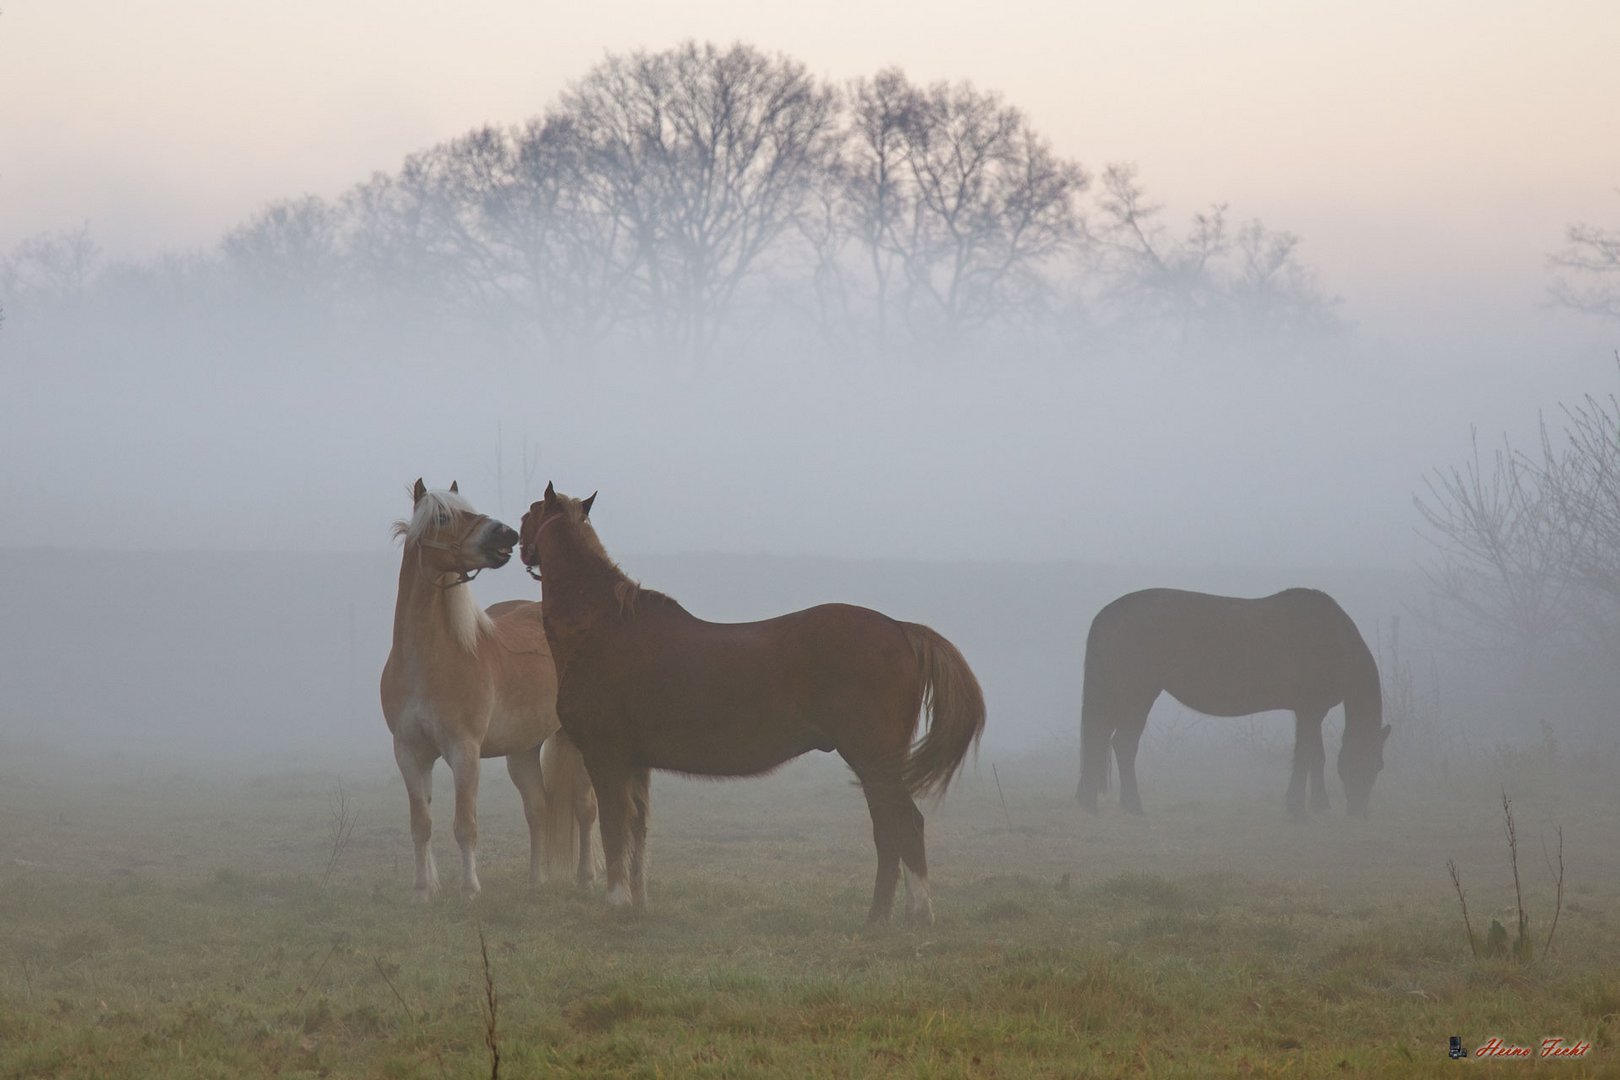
451 539
548 510
1360 760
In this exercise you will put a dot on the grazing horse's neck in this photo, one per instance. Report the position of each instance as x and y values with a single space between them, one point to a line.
432 616
1364 693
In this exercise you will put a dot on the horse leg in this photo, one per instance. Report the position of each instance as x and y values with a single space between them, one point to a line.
464 765
885 800
416 766
612 783
914 864
640 810
1095 753
1318 763
524 768
1126 738
584 818
1297 781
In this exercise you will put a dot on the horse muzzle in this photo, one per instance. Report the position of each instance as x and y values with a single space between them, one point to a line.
498 543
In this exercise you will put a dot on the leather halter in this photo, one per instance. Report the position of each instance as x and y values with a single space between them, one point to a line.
462 576
534 571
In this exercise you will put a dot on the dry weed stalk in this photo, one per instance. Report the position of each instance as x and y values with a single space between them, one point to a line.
1456 882
1558 910
1496 942
339 829
490 1038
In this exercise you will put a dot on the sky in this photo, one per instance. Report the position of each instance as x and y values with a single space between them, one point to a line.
1430 155
1443 141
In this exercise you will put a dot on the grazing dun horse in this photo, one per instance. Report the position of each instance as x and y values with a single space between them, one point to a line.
1229 656
465 684
644 685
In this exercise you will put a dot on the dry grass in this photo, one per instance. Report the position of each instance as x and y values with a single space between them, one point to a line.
164 922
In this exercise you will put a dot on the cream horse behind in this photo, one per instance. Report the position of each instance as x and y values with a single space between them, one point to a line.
465 684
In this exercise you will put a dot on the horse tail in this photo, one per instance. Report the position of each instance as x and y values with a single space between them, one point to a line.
1096 726
568 797
955 707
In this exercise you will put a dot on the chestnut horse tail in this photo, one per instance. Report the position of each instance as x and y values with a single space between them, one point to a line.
955 707
567 787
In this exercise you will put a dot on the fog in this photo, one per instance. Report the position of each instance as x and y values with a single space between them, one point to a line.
201 465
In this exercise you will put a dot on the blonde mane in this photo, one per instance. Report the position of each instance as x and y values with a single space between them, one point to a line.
426 514
466 619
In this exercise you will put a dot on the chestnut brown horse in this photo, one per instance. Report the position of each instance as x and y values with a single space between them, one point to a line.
643 685
1230 656
465 684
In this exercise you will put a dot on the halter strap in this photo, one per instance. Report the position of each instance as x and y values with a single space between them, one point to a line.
534 571
462 576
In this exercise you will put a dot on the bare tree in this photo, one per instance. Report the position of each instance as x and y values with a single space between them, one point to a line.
49 269
422 236
1504 552
1148 274
827 239
1588 271
1583 482
705 159
1272 293
961 192
1207 280
578 260
874 196
290 252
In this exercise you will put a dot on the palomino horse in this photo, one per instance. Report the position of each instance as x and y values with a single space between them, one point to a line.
644 685
1229 656
465 684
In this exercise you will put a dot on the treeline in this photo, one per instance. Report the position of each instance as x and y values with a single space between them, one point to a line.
1527 540
703 199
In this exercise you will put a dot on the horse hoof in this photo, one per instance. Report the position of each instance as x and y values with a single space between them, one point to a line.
618 897
921 917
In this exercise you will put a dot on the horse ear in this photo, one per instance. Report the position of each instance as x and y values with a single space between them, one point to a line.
551 494
418 491
455 489
585 506
1383 737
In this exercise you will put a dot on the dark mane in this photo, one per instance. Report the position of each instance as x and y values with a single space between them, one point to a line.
634 599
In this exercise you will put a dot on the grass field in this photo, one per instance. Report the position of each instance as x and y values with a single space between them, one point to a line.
180 922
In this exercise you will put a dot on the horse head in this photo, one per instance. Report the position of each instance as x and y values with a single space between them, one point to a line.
451 539
1361 759
553 507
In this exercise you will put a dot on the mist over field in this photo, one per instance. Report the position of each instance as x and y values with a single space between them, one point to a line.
980 337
